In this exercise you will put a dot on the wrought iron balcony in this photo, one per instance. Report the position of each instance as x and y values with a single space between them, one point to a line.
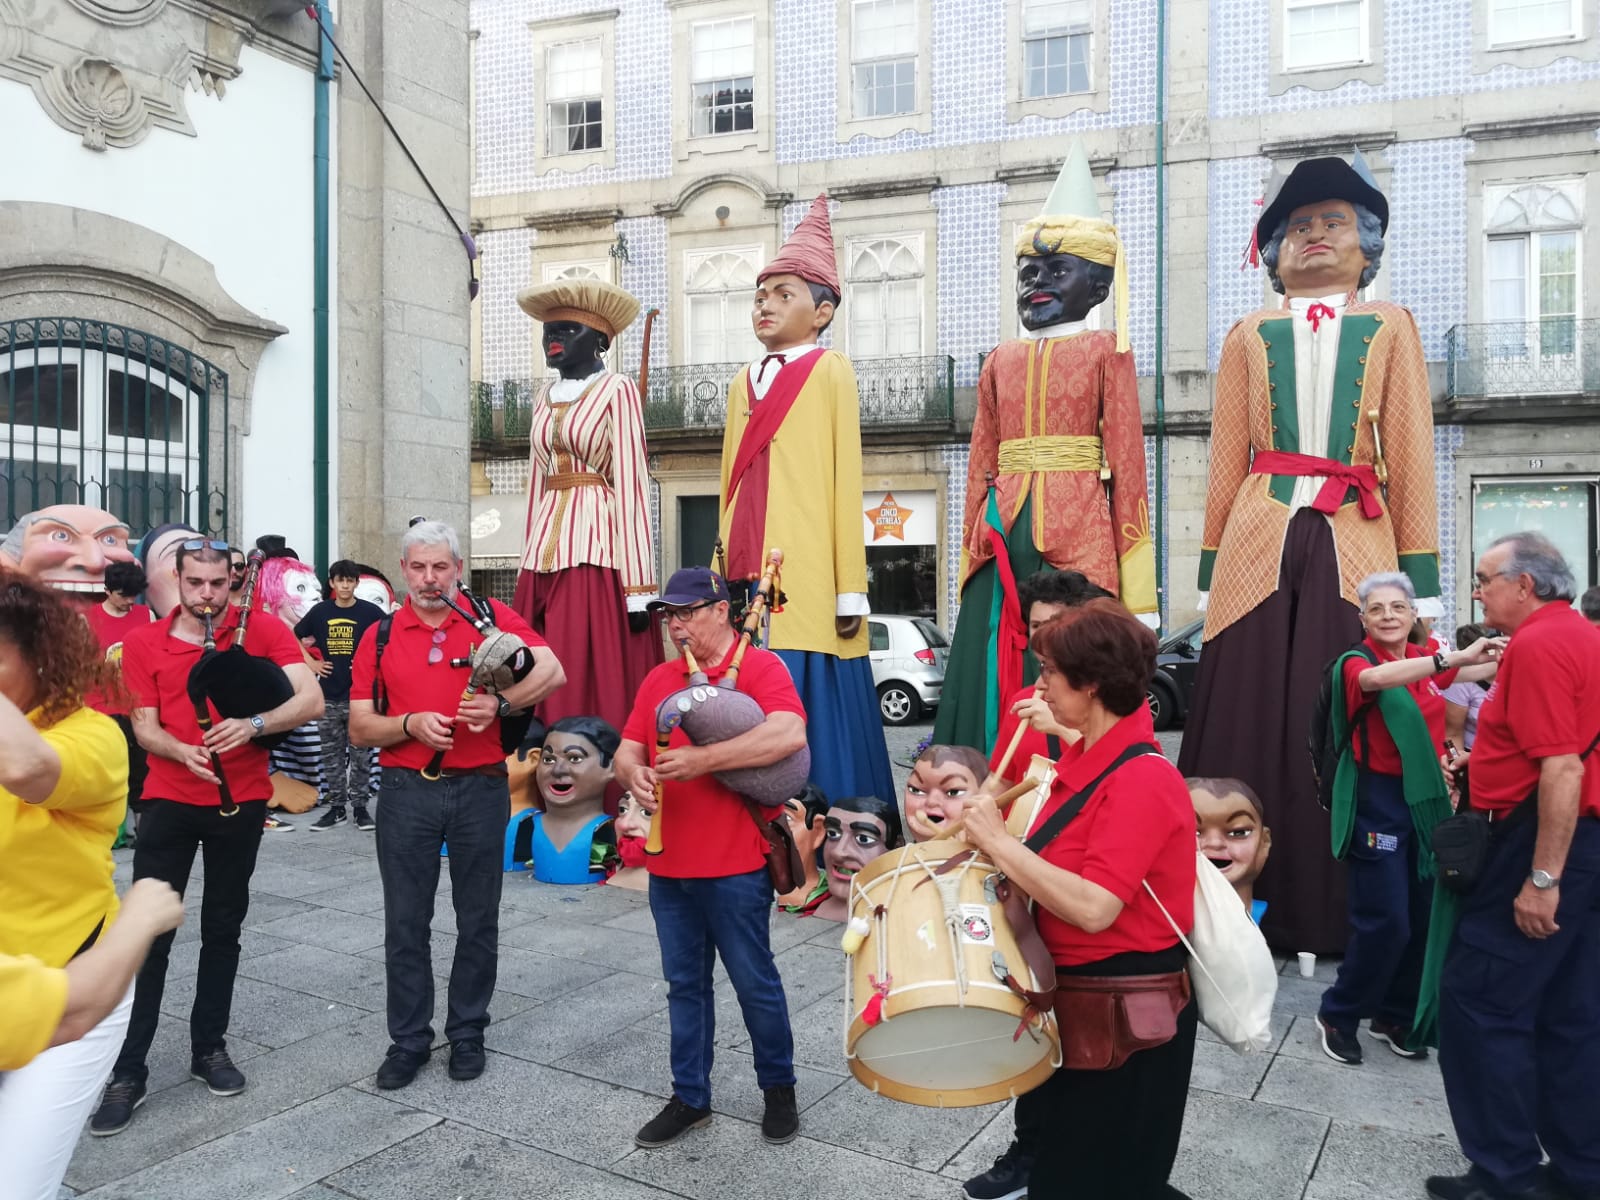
501 411
1558 356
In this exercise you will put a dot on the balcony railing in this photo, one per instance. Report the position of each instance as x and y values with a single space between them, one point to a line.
1558 356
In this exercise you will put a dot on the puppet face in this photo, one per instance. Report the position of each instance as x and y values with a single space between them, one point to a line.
572 348
67 547
161 570
570 775
375 591
289 588
853 840
785 315
807 838
1321 250
1231 836
935 796
1053 288
632 820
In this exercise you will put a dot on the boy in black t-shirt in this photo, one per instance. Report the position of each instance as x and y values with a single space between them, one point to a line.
334 627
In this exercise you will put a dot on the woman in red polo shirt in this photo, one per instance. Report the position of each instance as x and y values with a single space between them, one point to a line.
1399 795
1115 1108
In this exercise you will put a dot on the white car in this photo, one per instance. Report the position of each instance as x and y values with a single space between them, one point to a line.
908 656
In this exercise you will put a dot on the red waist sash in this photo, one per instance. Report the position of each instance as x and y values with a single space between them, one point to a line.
1340 476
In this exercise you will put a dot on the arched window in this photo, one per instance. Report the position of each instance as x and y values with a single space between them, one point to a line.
884 313
719 287
1531 258
98 414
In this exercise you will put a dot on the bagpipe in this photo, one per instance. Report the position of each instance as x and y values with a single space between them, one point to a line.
235 682
711 713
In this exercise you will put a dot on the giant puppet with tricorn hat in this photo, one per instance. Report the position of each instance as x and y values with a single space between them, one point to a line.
1321 474
588 561
791 479
1055 473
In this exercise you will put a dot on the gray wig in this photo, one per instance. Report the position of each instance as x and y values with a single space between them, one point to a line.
431 533
1367 225
1536 556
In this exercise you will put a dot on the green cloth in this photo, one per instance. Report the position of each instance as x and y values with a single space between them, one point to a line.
1426 793
1441 929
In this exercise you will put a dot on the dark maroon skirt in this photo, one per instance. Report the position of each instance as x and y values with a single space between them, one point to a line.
1256 687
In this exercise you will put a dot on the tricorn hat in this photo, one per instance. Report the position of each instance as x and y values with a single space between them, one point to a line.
1323 179
808 251
592 302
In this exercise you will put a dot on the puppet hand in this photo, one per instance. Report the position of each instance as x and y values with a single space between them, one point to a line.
638 622
847 627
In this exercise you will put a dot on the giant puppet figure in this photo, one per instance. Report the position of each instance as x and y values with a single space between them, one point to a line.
67 547
588 564
1321 474
791 479
1058 433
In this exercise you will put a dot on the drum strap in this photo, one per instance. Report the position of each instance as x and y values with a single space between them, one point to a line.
1064 816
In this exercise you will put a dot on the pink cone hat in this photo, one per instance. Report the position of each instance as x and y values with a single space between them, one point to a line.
809 251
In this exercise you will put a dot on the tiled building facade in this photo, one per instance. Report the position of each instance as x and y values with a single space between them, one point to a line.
699 130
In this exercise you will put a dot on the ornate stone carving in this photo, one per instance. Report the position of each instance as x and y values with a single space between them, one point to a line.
112 70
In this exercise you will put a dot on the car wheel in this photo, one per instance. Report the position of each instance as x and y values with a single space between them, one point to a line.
1163 704
898 704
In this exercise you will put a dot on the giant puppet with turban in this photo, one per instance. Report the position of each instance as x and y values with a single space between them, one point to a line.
1321 474
791 479
1055 475
588 562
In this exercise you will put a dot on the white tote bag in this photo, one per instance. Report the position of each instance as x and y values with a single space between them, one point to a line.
1235 980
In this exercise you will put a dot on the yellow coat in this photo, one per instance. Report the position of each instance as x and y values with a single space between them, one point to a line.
813 506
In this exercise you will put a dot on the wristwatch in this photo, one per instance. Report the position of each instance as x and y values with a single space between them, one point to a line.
505 709
1543 880
259 725
1440 663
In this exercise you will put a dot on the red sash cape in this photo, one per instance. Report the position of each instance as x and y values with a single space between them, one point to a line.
752 465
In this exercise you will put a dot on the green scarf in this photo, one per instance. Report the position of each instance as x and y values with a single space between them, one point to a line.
1426 793
1441 928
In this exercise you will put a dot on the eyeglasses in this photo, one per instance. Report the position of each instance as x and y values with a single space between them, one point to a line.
1481 581
436 651
236 567
683 614
1399 608
203 544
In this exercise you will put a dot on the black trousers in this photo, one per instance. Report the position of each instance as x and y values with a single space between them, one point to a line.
1113 1135
169 835
138 766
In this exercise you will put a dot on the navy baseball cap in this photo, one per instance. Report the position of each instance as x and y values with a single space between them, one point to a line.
692 585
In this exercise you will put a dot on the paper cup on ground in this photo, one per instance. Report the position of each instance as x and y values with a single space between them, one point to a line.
1308 965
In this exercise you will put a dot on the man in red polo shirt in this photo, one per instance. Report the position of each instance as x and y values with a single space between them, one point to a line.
185 812
1519 1004
411 704
709 888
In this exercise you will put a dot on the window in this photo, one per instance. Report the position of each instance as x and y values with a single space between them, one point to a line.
1055 44
1513 21
1532 288
572 97
697 530
1320 33
1561 509
719 288
877 637
722 77
885 309
883 57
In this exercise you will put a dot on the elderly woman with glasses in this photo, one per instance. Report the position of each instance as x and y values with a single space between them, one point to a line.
1389 718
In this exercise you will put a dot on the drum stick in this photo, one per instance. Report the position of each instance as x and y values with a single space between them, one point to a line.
996 775
1003 801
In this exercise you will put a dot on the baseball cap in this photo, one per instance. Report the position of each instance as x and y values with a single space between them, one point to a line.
691 585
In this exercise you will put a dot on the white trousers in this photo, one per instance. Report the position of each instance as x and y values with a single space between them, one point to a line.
43 1107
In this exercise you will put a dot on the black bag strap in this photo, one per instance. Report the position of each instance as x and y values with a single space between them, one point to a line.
380 698
1063 816
1053 744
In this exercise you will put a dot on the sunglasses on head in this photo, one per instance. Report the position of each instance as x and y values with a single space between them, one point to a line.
203 544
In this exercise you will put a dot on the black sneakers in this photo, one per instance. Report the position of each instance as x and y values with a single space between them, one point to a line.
676 1119
216 1070
467 1059
1397 1038
781 1122
400 1068
1006 1180
117 1103
334 816
1341 1047
1477 1186
364 821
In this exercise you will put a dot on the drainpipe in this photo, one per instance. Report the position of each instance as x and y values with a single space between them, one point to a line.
1158 521
319 312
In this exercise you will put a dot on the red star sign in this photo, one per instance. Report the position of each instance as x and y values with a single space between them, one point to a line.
888 519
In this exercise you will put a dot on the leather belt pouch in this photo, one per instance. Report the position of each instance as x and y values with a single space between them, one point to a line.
1106 1018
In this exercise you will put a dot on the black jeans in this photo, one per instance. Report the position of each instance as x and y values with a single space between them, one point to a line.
169 835
138 766
415 819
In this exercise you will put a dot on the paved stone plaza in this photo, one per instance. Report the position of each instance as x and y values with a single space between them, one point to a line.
578 1061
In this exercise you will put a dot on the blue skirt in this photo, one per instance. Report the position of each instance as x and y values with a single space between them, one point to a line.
843 725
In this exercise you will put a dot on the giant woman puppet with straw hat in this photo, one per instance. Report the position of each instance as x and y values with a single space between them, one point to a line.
588 564
1055 476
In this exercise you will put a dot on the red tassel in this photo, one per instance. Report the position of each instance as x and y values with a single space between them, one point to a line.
873 1012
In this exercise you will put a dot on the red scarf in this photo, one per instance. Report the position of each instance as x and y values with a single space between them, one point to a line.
752 465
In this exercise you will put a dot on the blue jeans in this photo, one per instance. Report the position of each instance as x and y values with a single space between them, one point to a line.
697 919
415 818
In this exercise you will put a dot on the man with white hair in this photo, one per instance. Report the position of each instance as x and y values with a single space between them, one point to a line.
1519 998
444 780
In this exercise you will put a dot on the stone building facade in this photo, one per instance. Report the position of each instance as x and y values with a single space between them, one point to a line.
159 263
670 144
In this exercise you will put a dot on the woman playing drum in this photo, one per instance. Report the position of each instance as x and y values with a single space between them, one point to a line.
1115 1108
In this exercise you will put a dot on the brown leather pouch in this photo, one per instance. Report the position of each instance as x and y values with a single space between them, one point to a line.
1106 1018
784 865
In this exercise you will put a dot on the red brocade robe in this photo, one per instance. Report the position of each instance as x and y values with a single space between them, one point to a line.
1077 387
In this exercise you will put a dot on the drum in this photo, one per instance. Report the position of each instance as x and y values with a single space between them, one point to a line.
950 1033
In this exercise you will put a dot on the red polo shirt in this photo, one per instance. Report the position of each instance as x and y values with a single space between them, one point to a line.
1138 825
706 830
1543 704
111 632
155 672
413 684
1033 742
1382 754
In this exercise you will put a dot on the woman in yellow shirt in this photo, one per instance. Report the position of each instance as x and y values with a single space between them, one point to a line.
64 780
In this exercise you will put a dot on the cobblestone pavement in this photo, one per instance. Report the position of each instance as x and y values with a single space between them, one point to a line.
578 1061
